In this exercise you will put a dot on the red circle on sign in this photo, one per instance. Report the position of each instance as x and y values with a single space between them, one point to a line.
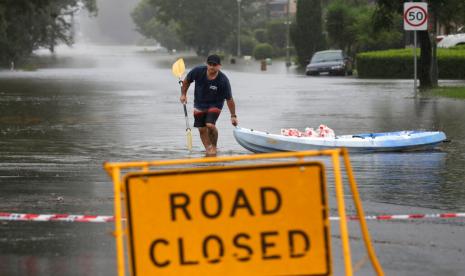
419 24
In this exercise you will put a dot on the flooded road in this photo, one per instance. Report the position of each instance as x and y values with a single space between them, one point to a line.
93 104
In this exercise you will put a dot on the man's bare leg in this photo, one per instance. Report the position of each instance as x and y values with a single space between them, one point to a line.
213 138
203 131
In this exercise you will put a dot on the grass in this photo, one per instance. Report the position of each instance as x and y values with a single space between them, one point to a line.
449 92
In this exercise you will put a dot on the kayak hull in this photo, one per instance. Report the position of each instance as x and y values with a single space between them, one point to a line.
260 142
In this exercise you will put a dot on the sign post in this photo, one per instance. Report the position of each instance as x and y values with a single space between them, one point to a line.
415 19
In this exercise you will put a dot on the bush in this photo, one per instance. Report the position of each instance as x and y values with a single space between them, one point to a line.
262 51
398 63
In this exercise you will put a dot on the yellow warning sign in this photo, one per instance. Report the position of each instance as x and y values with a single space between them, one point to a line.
239 220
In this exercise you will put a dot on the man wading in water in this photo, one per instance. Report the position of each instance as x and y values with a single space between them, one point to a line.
211 89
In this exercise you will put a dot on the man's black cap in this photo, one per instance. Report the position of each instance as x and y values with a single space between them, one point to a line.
214 59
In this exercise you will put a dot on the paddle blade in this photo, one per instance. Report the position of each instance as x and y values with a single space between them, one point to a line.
178 68
189 139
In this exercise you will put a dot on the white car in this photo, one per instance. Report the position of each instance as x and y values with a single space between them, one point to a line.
447 41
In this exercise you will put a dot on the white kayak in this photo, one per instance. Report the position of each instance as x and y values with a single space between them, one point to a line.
409 140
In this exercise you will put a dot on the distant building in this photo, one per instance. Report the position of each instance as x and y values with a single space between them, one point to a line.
278 8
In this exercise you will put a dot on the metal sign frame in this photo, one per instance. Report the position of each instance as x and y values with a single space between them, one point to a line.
115 171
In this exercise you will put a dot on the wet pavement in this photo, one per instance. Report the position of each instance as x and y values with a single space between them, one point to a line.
93 104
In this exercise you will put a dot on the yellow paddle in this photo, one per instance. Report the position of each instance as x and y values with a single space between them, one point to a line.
178 69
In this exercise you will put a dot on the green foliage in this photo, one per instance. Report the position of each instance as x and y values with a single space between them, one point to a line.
449 92
306 32
368 39
262 51
451 14
28 25
203 25
340 25
451 63
350 27
144 16
399 63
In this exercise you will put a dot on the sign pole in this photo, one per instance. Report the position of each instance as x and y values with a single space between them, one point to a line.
415 62
415 19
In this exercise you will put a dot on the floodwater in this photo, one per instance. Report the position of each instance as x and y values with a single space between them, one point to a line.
93 104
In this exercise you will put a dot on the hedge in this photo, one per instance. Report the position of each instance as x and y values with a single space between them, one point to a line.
398 64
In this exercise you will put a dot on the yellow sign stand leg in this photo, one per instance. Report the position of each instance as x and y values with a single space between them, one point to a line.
342 213
118 221
361 215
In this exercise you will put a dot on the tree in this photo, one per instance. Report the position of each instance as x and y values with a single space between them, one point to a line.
367 39
452 15
446 11
145 18
276 30
340 25
27 25
349 27
203 25
306 31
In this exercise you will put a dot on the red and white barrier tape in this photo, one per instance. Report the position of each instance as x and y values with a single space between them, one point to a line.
411 216
55 217
88 218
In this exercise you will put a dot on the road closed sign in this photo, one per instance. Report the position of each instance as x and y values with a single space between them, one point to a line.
415 16
239 220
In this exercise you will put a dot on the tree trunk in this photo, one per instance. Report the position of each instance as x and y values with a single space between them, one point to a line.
434 61
424 73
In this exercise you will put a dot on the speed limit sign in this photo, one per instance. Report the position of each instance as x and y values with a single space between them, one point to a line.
415 16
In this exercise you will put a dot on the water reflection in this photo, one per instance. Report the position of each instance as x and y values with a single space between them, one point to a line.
414 179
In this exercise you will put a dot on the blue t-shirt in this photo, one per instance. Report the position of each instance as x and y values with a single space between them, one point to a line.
209 93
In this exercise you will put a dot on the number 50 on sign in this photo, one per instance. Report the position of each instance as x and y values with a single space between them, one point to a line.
415 16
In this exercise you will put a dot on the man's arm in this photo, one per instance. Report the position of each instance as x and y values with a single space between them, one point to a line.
184 88
232 110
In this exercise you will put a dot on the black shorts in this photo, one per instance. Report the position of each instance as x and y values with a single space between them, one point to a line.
204 116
